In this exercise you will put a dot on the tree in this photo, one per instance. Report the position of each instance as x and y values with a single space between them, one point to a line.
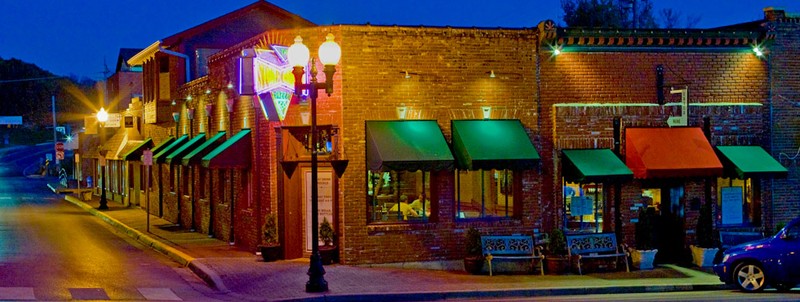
617 14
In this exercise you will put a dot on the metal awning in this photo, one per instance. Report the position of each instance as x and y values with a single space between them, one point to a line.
493 144
234 153
749 161
209 145
670 152
408 145
593 165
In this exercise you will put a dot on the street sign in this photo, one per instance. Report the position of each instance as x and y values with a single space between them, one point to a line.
147 157
60 155
60 147
61 129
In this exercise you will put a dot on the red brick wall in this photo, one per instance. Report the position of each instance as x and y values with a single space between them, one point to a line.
781 206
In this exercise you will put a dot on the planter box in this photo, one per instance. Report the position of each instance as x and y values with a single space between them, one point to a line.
556 265
643 259
703 257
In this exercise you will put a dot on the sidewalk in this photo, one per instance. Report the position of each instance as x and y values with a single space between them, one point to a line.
243 276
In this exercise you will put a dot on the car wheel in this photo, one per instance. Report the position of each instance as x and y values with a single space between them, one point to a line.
749 277
783 287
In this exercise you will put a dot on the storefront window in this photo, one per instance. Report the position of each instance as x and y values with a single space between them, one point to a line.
484 194
584 205
398 196
739 202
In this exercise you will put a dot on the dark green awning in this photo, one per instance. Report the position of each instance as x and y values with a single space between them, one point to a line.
177 155
234 153
136 153
162 154
493 144
197 154
593 165
163 145
408 145
749 161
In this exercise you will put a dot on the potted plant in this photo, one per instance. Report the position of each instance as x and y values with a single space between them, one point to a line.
556 258
328 252
644 253
473 261
703 253
271 249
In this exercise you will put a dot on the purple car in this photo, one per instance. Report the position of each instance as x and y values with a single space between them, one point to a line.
773 261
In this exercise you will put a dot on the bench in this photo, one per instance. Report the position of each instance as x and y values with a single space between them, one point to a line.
511 247
595 246
728 239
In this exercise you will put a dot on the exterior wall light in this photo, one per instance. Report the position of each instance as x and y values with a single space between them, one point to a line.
758 52
487 112
401 112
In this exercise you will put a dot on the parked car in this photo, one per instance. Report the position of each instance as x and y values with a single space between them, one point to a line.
772 261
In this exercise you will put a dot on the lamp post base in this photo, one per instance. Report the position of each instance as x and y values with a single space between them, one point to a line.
316 281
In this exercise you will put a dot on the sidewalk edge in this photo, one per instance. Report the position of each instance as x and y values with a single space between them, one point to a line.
511 293
201 270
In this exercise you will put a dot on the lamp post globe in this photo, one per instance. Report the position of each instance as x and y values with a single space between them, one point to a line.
329 52
102 118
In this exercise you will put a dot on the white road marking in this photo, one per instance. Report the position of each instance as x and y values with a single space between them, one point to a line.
162 294
16 293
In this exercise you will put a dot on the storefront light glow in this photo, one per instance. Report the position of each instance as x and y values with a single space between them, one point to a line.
758 51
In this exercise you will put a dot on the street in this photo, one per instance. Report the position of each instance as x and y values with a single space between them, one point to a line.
52 250
720 295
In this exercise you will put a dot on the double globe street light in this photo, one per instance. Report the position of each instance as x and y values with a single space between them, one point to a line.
299 55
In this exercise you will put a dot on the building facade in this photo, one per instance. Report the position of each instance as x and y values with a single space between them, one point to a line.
430 131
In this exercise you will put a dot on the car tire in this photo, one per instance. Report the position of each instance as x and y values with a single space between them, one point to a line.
783 287
749 277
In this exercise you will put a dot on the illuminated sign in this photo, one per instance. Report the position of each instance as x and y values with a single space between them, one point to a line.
274 81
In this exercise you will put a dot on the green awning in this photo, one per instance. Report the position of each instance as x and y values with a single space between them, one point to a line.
408 145
234 153
197 154
177 155
493 144
136 153
593 165
163 145
162 154
749 161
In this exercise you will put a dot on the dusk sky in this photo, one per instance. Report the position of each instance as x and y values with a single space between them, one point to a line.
75 37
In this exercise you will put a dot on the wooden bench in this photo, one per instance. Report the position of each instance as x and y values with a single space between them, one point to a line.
728 239
511 247
595 246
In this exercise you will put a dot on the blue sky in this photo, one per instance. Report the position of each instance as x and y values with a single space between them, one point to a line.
75 37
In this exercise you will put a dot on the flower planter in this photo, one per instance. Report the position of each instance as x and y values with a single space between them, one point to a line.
703 257
473 265
556 265
328 254
271 253
643 259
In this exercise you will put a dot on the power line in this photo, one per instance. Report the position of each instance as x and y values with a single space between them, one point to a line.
31 79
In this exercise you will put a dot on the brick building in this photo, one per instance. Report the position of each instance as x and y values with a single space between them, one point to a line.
402 95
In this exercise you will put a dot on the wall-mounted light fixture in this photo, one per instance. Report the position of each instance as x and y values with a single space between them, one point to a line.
556 49
173 103
189 98
229 105
176 116
407 74
487 112
401 111
190 113
491 74
230 85
208 91
757 51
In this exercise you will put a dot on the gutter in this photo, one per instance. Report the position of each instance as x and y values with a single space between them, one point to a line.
150 52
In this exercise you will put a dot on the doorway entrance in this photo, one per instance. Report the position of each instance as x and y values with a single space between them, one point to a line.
670 237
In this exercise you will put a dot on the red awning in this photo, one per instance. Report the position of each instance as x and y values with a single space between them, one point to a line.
670 152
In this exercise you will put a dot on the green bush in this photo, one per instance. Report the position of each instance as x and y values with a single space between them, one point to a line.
473 245
645 228
326 232
271 229
705 225
558 242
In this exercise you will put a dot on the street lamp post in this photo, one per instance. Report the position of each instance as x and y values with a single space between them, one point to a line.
102 117
329 54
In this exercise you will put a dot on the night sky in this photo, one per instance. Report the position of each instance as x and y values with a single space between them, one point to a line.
69 37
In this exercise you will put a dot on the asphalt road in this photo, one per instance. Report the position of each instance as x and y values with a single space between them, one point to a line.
721 295
52 250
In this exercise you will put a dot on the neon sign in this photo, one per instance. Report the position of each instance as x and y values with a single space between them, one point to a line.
274 82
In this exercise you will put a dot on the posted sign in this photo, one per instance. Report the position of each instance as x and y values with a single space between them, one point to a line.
147 157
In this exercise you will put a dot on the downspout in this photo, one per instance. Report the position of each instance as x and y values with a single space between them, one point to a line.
185 60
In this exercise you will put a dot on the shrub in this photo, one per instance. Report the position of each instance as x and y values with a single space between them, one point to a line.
270 229
558 242
326 232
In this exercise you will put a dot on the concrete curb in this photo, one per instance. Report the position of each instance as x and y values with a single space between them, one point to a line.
201 270
511 293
